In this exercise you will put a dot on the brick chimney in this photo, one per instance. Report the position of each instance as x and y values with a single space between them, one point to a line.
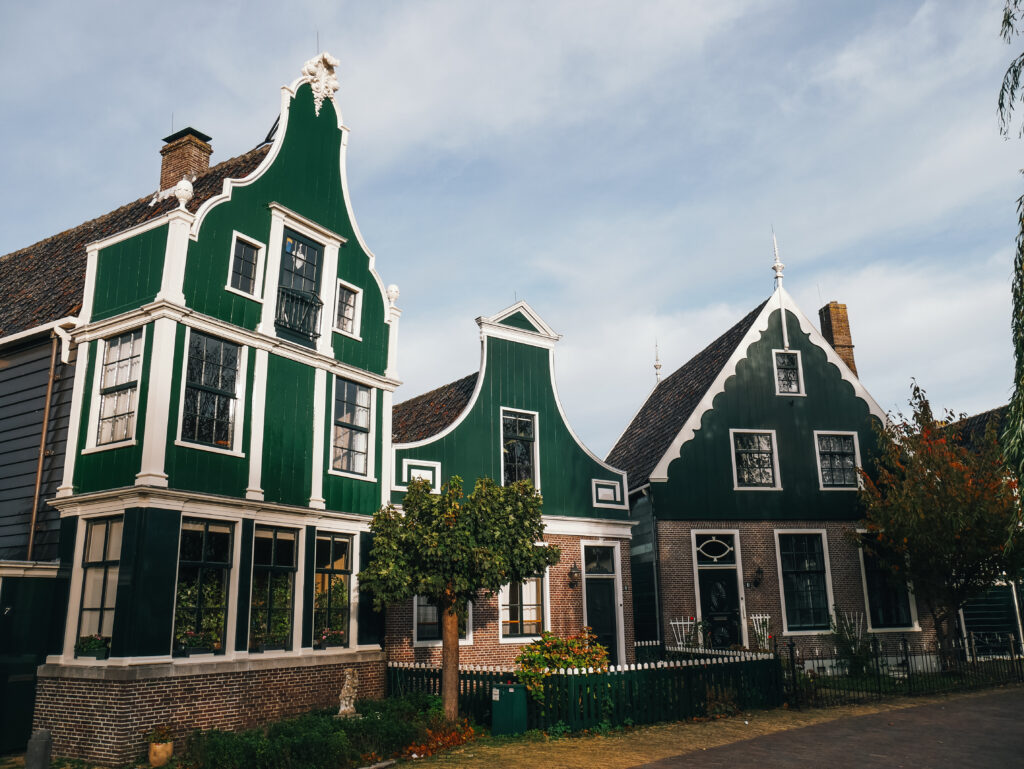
186 153
835 327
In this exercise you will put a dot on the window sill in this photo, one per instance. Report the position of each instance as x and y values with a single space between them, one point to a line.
348 334
356 476
838 488
211 449
518 639
906 629
109 446
823 631
438 642
756 488
239 292
790 395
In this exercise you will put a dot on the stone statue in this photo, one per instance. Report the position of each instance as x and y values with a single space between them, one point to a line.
347 698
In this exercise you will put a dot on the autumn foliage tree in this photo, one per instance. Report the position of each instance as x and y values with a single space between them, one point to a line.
939 513
451 549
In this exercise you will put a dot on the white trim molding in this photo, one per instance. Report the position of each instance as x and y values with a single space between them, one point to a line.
371 436
545 592
914 625
733 432
799 373
782 587
588 527
620 630
418 644
536 442
736 567
357 318
261 256
856 458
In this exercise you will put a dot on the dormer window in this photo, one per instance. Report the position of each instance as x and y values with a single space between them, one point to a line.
298 289
789 375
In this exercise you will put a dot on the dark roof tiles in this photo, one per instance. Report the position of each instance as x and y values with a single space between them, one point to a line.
44 282
430 413
668 407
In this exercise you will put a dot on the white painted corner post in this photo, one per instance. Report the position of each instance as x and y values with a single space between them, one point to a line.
254 491
158 404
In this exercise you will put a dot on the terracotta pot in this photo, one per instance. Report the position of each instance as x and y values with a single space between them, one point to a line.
160 753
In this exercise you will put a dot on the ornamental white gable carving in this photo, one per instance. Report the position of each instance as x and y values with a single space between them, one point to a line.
320 72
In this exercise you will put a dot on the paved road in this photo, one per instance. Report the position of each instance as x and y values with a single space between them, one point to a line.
986 731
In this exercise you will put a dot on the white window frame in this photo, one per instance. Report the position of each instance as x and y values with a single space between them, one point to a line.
371 436
536 442
738 567
775 460
261 261
856 459
914 626
241 400
620 630
91 446
598 485
799 373
421 468
467 641
545 619
357 319
782 587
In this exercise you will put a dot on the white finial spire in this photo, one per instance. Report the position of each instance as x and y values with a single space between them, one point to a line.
778 266
657 363
319 71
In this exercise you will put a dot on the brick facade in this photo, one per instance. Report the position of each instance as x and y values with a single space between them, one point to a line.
566 613
102 713
757 549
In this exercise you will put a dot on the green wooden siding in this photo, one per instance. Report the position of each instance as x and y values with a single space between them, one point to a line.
112 468
518 376
128 274
700 482
352 495
288 432
194 469
518 320
144 614
305 177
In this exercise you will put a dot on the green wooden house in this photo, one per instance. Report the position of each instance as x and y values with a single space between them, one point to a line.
227 356
743 469
505 422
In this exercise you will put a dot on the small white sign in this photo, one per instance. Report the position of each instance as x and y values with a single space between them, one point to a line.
495 694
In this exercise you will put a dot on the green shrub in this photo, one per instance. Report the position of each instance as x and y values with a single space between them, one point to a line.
546 655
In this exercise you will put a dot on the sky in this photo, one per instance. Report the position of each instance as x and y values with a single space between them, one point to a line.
618 165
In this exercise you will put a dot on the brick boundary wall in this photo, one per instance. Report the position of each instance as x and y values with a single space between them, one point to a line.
566 612
757 548
103 713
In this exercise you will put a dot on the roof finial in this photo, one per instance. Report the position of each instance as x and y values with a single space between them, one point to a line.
778 266
657 363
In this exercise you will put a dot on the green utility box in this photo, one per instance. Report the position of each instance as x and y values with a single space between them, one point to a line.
508 709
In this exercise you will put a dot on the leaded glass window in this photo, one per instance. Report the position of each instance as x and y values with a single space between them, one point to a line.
803 581
787 372
100 566
204 569
755 460
298 293
345 319
243 266
522 611
210 391
351 441
518 441
273 588
331 588
119 387
837 455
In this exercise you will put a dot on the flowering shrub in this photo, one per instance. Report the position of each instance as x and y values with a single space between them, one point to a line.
329 637
203 639
551 653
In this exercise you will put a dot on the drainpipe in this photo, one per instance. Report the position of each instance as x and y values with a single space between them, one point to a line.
42 444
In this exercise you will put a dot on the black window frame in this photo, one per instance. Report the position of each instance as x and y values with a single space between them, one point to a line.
518 446
346 432
110 570
887 595
262 635
205 567
242 247
323 616
516 609
198 392
742 456
299 306
804 586
828 457
130 386
781 379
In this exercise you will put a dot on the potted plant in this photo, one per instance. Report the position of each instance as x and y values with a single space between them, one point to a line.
328 637
93 646
161 745
199 642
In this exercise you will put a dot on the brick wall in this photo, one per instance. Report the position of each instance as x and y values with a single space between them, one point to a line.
102 713
757 548
566 612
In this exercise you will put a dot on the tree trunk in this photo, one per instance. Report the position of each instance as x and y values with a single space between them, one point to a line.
450 663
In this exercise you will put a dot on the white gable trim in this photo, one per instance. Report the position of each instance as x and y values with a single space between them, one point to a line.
758 327
545 336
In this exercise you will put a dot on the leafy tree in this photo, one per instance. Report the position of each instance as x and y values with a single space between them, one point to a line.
938 511
449 549
1009 94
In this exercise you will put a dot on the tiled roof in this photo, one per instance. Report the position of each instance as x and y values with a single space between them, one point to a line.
44 282
430 413
661 418
972 428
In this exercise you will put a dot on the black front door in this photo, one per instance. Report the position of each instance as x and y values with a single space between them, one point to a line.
720 606
601 615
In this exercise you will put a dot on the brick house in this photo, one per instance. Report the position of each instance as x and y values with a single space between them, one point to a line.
743 477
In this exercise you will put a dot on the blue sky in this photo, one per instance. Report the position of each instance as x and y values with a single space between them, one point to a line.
618 165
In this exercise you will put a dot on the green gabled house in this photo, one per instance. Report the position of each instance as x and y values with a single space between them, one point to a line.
743 470
505 422
215 436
